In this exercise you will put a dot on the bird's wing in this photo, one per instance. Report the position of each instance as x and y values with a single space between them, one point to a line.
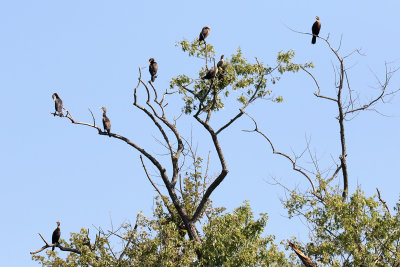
155 66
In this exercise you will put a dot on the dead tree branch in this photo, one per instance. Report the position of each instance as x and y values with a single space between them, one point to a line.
47 245
294 164
346 104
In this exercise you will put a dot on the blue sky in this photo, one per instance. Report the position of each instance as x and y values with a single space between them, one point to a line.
89 52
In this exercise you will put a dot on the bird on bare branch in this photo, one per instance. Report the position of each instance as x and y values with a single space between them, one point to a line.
106 121
153 68
58 104
56 235
316 27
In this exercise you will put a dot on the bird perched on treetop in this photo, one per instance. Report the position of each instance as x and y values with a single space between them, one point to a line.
153 68
221 64
56 235
106 122
316 27
211 73
58 104
204 33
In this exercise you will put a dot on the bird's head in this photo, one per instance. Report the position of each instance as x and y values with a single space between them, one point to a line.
54 96
151 60
206 28
58 224
316 17
104 109
222 57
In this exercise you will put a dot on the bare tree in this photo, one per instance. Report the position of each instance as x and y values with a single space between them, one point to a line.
348 106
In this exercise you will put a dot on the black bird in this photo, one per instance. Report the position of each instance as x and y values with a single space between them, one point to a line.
220 63
153 68
58 104
221 66
316 27
204 33
56 235
106 122
211 73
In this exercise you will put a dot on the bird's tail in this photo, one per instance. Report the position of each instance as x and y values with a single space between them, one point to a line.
109 135
314 39
52 248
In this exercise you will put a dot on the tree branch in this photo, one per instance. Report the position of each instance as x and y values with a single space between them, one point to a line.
382 201
304 259
294 165
220 177
129 240
77 251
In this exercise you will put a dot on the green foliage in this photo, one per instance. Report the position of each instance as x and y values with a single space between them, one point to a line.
100 257
285 63
196 50
248 81
235 239
228 239
360 232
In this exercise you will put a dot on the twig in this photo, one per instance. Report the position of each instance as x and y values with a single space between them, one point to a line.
382 201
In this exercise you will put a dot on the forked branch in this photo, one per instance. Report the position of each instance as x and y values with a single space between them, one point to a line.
294 164
47 245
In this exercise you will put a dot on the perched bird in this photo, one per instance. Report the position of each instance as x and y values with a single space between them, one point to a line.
211 73
106 122
204 33
221 66
58 104
153 68
56 235
220 63
315 30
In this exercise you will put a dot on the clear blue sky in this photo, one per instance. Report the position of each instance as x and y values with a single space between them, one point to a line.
89 52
